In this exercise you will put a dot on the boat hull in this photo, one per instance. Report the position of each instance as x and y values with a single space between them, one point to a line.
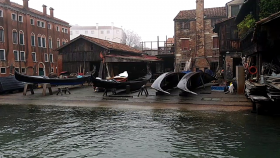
52 81
167 81
113 84
192 80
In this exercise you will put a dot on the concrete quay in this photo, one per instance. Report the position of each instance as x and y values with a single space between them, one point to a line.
85 96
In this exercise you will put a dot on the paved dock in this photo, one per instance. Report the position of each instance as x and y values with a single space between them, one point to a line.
86 96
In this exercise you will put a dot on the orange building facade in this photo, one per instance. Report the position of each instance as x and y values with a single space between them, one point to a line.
28 39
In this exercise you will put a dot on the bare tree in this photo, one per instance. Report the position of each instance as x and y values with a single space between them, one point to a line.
133 39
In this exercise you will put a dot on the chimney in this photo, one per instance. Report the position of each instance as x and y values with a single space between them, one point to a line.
7 1
44 9
96 26
25 4
51 12
200 28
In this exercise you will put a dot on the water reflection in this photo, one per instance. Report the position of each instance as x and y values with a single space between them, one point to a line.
40 131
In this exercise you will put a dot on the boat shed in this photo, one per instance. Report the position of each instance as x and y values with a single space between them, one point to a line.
87 54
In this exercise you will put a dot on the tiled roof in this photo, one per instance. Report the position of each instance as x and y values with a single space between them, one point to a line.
269 18
33 11
110 45
92 27
208 12
104 43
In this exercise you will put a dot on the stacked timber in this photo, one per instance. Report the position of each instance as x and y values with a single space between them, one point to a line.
253 88
273 87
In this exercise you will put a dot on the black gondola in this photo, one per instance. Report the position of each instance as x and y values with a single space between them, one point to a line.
113 84
167 81
192 80
52 81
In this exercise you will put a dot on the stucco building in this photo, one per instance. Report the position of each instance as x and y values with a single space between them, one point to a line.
195 40
28 39
110 33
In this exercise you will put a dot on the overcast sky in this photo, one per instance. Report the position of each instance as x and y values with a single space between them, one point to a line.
148 18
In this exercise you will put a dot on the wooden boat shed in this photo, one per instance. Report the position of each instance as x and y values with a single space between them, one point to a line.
87 54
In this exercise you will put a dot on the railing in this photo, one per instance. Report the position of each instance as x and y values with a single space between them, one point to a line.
165 50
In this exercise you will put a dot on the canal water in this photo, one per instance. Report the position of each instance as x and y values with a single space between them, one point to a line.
43 131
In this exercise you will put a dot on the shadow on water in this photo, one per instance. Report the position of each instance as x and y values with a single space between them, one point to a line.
49 131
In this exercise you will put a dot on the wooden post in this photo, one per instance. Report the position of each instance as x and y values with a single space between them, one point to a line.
45 86
240 79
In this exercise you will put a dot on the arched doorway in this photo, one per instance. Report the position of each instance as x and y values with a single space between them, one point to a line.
41 69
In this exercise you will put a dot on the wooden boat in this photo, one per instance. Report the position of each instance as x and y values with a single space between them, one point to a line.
192 80
114 84
167 81
52 81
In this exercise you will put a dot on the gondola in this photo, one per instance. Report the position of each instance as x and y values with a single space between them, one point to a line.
192 80
114 84
167 81
52 81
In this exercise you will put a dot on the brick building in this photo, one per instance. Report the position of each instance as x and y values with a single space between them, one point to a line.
28 39
195 40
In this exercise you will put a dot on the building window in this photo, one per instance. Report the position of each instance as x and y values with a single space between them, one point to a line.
23 70
108 31
46 57
86 32
3 70
22 56
32 21
34 57
39 23
49 26
16 55
1 34
102 32
52 70
185 44
50 42
43 41
21 38
39 41
63 42
234 10
20 18
14 17
1 13
62 30
15 37
2 55
215 42
51 58
185 25
57 28
17 69
92 32
66 31
32 39
42 24
58 43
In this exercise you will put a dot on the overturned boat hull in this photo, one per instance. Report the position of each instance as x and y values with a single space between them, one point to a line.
192 80
167 81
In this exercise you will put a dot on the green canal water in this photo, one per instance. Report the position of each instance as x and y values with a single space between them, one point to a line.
43 131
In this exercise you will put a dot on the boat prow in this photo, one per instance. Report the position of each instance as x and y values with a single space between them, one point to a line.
192 80
167 81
